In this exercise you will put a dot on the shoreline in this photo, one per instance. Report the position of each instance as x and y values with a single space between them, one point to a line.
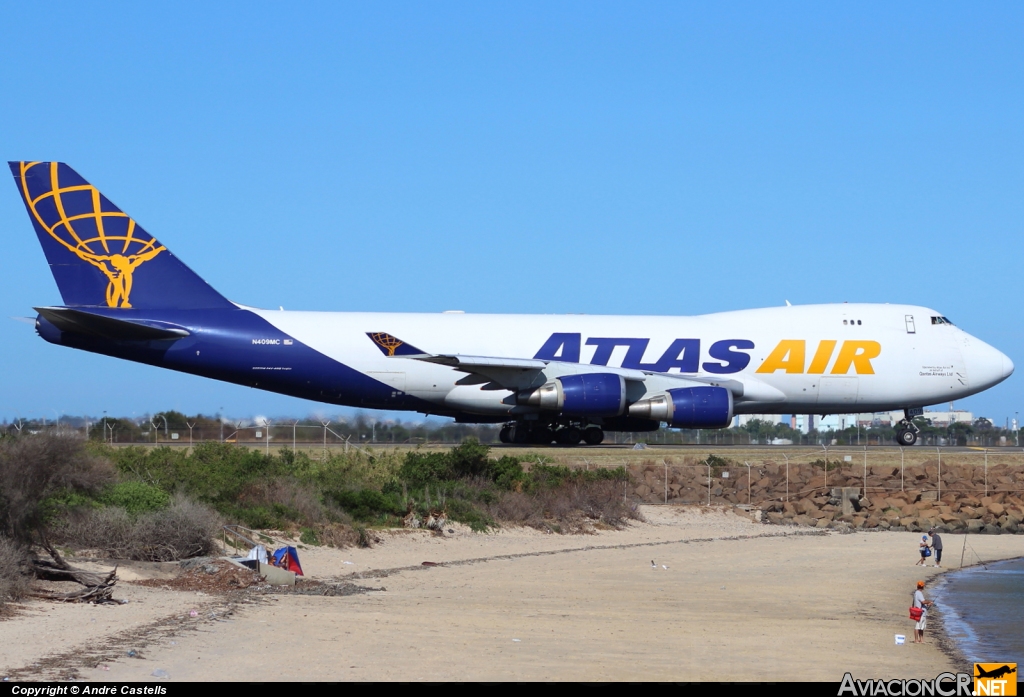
949 645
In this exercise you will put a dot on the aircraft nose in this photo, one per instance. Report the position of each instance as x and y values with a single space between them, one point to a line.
987 365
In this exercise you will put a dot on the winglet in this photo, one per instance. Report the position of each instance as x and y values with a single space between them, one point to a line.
393 346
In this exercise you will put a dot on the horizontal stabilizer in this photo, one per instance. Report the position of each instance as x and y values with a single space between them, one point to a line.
75 321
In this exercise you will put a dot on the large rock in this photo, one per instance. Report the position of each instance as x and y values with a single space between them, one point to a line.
806 506
975 526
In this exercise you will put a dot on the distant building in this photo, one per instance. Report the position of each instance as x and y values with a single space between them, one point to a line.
805 423
945 418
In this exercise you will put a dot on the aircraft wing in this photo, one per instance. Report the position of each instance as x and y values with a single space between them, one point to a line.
520 373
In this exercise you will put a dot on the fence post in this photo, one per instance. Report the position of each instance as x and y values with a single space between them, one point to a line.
938 496
709 481
666 479
865 471
787 475
826 467
748 482
986 471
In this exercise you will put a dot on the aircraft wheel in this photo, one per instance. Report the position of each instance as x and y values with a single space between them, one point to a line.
906 437
593 436
505 434
573 435
542 436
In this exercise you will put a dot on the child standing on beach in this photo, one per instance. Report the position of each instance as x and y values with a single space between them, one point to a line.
925 550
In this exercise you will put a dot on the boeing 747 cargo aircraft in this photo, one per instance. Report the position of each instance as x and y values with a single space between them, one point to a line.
548 378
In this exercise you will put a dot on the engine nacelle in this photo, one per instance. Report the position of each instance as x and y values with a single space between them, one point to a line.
590 394
687 407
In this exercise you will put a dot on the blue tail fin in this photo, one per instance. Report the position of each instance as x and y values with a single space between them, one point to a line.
98 255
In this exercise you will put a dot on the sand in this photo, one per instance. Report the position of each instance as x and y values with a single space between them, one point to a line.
737 601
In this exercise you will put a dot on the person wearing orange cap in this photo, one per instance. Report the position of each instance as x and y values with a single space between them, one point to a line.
920 602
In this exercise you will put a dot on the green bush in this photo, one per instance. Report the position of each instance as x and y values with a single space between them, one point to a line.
136 497
507 473
469 459
426 468
369 504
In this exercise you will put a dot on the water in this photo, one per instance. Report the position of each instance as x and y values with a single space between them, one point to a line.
983 610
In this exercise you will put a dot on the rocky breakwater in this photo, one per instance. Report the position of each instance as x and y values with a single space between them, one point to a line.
964 498
917 511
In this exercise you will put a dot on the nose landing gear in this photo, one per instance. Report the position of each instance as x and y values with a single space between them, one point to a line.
906 431
906 436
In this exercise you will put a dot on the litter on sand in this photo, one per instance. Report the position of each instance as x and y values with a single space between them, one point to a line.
901 639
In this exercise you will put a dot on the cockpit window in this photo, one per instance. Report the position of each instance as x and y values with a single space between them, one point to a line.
941 320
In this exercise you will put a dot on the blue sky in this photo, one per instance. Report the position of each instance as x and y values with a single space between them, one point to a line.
619 158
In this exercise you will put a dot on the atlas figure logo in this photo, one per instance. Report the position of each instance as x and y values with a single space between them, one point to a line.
81 219
730 355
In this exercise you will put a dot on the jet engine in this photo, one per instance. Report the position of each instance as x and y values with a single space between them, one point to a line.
687 407
590 394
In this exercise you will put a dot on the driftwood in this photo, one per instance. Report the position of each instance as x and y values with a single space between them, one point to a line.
98 588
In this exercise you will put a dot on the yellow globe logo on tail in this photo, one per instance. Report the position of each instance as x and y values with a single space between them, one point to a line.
75 216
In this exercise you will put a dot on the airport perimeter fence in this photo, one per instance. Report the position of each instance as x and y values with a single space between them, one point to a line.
756 480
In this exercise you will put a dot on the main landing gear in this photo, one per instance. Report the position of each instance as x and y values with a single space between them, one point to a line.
538 433
906 431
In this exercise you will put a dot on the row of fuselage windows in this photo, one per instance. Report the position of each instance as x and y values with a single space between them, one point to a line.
851 321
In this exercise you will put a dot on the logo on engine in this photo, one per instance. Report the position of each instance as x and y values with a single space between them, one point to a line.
93 229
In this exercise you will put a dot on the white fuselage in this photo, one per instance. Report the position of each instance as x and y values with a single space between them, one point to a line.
816 359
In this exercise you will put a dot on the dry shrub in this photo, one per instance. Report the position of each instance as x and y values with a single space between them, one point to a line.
298 497
36 467
185 529
598 501
15 576
336 535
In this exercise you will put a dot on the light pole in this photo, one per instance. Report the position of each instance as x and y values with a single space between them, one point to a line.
220 417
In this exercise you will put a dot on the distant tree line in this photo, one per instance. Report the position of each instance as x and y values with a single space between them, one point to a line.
362 429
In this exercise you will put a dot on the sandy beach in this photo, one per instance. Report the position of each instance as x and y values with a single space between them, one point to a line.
726 599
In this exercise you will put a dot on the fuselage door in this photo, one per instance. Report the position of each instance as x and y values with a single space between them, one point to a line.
910 325
839 393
